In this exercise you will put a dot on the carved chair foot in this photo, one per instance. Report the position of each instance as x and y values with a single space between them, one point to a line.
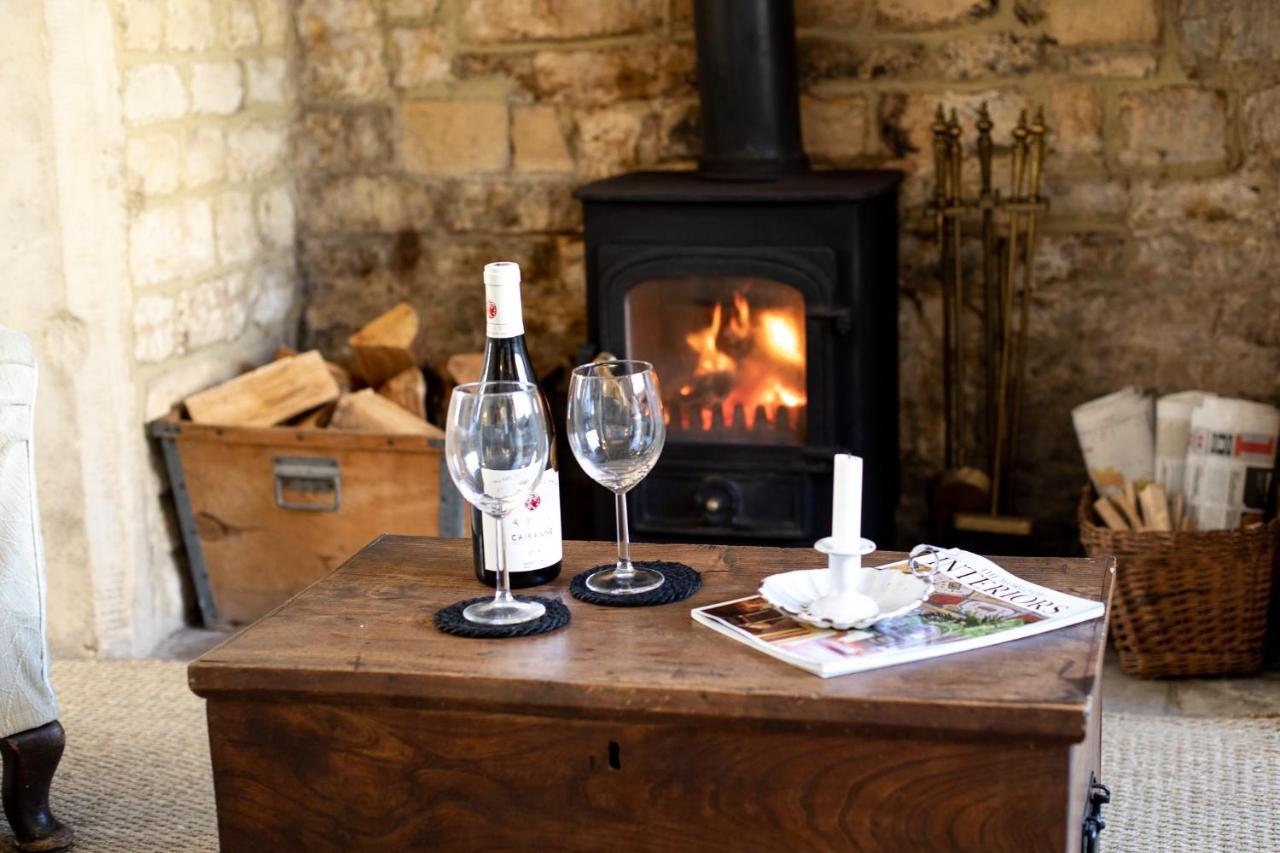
30 759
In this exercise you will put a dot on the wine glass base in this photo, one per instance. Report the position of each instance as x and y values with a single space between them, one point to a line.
503 613
609 582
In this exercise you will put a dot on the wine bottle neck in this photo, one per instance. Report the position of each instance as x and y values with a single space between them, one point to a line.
504 316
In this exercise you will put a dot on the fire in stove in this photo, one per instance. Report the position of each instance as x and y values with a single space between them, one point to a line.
748 379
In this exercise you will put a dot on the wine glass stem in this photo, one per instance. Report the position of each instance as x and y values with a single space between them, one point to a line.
502 594
624 569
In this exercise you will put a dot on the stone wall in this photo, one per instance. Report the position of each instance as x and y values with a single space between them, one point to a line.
207 90
207 93
435 135
149 244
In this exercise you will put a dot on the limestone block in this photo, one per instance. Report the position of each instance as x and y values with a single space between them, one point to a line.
320 20
152 163
834 128
276 217
1075 119
821 58
274 291
240 19
1101 21
216 87
514 20
411 8
539 140
509 206
171 242
449 137
602 76
345 67
153 328
985 55
421 56
1178 125
1213 31
365 203
153 92
679 130
203 157
269 81
615 138
189 25
1137 64
237 232
142 24
343 140
273 21
1075 196
212 311
255 149
1262 123
925 14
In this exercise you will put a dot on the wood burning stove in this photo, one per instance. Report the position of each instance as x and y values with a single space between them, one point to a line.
765 295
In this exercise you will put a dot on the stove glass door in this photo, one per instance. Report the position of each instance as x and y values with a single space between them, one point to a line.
729 353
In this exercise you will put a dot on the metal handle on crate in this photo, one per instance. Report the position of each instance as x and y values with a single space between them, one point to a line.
312 475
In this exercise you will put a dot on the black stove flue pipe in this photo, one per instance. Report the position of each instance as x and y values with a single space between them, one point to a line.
747 87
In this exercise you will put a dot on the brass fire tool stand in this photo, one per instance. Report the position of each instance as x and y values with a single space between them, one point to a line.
968 498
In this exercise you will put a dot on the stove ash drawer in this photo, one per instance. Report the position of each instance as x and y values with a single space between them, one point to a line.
757 505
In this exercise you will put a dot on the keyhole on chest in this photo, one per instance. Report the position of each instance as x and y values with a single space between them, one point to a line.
615 760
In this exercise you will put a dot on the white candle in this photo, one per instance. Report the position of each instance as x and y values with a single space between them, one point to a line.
846 504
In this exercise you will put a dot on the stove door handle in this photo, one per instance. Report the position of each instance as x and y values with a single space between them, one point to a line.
837 315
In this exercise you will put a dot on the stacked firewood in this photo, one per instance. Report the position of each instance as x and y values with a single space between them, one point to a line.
385 391
1147 509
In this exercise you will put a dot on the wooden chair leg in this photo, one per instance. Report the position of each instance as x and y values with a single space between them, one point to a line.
30 759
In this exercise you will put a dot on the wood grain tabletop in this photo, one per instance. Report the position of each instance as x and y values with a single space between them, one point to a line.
364 633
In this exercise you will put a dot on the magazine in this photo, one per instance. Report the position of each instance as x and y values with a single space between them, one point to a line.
975 603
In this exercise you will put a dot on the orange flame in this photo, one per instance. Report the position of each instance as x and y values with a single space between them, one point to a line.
759 357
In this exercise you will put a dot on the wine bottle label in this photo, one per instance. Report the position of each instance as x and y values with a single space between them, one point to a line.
502 310
533 530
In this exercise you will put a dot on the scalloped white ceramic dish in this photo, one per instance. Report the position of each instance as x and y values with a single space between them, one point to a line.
894 592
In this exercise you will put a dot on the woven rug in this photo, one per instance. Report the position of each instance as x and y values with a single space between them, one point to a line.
135 776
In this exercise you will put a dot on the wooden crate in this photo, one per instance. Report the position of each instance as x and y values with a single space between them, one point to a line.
265 512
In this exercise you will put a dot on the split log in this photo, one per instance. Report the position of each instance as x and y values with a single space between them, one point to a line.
390 343
1107 512
267 396
1129 506
340 374
408 390
317 418
1155 507
366 411
465 367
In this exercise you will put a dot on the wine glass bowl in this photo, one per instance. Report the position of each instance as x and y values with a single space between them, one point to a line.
496 446
616 431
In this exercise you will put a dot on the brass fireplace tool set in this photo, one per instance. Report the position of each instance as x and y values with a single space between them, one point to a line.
969 497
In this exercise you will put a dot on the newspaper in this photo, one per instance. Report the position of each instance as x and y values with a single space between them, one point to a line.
1173 428
1231 453
1115 434
975 603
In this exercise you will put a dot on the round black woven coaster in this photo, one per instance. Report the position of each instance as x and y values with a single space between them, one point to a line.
451 621
681 583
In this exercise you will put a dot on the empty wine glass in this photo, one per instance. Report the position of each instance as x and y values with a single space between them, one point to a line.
616 432
496 448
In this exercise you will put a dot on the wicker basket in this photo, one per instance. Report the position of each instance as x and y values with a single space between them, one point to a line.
1187 602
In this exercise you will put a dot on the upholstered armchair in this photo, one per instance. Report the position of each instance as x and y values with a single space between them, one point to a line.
31 738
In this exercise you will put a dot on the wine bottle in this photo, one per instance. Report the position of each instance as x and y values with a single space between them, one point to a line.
535 550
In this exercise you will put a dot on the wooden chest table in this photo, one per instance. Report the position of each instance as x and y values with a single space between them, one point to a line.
344 721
